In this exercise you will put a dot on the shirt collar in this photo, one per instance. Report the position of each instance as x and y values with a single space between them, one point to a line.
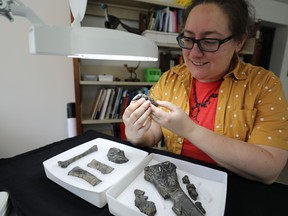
237 71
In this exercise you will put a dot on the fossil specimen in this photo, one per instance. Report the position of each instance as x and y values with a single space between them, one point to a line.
138 96
146 207
103 168
192 191
185 180
66 163
85 175
200 207
116 155
164 178
190 187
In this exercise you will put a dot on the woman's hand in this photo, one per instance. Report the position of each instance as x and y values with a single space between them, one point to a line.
137 120
175 120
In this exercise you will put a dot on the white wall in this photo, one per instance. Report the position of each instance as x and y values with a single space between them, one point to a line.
34 90
275 13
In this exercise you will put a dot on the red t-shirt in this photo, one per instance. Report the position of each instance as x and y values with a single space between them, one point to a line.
205 117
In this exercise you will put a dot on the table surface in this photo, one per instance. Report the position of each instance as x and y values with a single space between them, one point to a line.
32 193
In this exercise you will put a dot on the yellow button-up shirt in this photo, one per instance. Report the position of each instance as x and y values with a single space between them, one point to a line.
251 105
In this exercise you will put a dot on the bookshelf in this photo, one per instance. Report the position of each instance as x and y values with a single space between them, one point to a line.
86 90
129 12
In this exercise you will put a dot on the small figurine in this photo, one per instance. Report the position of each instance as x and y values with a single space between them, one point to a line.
132 71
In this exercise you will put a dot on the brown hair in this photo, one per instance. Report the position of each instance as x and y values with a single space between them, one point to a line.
239 12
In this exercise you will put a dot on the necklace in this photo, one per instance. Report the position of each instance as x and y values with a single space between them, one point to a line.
196 108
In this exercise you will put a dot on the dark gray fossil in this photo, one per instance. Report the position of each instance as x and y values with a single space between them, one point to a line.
117 155
66 163
190 187
193 193
103 168
138 96
145 206
164 177
200 207
85 175
185 180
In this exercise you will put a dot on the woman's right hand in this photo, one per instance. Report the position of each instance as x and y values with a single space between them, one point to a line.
136 118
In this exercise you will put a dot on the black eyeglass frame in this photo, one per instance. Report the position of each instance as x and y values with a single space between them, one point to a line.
198 42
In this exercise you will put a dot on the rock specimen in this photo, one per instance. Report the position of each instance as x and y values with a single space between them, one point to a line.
185 180
66 163
164 178
146 207
200 207
117 156
103 168
138 96
192 191
85 175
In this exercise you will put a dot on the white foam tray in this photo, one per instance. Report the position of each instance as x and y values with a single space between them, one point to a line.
95 195
211 186
4 204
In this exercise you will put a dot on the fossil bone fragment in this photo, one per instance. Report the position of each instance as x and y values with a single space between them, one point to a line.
103 168
164 177
200 207
85 175
192 191
185 180
146 207
66 163
117 155
138 96
190 187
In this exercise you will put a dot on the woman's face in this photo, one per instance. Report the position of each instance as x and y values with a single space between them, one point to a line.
209 21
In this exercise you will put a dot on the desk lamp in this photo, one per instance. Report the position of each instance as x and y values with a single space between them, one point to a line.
80 42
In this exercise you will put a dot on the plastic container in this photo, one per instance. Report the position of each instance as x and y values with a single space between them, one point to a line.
95 195
152 74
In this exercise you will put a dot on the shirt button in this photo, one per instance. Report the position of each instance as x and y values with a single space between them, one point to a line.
180 140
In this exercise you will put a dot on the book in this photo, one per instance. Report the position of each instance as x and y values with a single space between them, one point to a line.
96 102
110 103
101 103
121 102
105 104
116 102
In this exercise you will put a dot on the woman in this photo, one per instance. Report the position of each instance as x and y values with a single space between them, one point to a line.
216 108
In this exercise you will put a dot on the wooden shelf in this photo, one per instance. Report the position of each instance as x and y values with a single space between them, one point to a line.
144 4
97 121
116 83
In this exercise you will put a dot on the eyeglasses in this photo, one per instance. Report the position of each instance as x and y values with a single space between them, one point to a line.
204 44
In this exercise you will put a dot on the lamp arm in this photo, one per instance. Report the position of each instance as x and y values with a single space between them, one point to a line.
8 8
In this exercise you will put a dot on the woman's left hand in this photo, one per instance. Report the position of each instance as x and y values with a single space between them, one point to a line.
175 119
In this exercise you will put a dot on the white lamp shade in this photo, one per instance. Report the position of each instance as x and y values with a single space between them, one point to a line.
90 42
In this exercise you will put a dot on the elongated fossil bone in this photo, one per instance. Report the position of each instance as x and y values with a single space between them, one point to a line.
85 175
103 168
66 163
164 178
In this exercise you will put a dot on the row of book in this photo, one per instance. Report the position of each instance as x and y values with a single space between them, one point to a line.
110 103
164 20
